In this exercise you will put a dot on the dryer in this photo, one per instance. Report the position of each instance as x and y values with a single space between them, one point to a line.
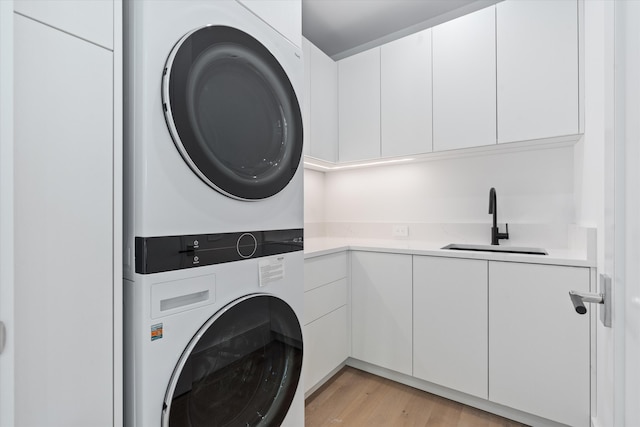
213 128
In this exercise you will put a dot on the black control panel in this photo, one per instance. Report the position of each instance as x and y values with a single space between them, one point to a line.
168 253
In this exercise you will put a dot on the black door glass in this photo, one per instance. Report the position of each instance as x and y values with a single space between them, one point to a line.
233 112
242 368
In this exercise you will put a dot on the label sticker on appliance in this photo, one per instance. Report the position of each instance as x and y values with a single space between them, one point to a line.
271 270
156 331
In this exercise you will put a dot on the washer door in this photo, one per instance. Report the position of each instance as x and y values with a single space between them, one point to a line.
242 367
232 112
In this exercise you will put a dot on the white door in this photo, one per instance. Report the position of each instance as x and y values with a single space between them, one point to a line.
6 211
626 252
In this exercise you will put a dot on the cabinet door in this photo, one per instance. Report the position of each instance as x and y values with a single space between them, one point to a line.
450 323
326 346
63 228
319 271
405 74
324 106
89 20
537 69
464 81
381 310
359 106
539 347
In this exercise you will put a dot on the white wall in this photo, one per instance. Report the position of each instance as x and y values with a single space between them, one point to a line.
7 378
532 186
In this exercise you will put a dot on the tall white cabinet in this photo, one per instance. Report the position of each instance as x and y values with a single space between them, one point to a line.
537 69
67 214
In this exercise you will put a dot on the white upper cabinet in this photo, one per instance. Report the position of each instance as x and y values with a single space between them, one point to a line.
464 81
283 15
537 69
406 95
89 20
359 106
321 100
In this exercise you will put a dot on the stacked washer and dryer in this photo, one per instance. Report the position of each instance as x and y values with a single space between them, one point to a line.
213 286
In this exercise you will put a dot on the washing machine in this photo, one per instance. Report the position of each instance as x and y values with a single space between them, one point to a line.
213 218
212 122
219 345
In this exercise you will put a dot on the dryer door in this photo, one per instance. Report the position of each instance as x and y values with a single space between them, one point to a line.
242 368
232 112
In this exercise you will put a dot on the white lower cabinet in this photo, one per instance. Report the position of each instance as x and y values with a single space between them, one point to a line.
539 347
326 346
450 323
381 310
501 331
326 330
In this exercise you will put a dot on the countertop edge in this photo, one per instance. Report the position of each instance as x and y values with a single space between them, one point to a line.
432 249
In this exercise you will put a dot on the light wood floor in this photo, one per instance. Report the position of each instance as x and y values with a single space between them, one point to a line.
354 398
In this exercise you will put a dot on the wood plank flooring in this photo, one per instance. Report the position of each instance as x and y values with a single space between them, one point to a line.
355 398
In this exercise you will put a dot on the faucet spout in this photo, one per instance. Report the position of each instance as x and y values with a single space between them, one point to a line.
496 235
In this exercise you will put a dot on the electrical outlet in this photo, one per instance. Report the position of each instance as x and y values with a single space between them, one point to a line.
400 231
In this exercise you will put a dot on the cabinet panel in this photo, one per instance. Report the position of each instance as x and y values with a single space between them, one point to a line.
324 106
450 345
306 98
406 114
359 106
90 20
63 228
539 347
324 299
381 309
464 81
537 59
325 346
324 269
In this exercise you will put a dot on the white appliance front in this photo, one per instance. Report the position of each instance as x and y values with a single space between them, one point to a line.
193 114
211 346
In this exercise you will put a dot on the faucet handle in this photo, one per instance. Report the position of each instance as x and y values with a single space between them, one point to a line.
504 235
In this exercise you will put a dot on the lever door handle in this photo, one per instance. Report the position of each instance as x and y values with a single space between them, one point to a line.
580 298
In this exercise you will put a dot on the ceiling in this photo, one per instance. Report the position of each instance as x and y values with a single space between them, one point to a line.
341 28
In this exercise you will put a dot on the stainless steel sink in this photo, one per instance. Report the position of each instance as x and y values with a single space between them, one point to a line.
493 248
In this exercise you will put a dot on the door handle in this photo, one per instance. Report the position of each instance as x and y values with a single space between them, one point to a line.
579 298
3 334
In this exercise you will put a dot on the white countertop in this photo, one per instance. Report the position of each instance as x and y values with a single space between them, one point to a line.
326 245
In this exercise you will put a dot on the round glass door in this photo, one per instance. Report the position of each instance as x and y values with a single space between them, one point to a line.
232 112
242 368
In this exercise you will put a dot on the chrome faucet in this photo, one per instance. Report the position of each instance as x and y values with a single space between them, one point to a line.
496 235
